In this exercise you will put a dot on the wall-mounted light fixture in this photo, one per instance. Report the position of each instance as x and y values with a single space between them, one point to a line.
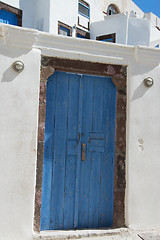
18 66
148 82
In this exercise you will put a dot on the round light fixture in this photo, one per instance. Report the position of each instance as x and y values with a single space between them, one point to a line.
148 82
18 66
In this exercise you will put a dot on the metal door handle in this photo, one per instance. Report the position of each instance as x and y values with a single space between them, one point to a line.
83 151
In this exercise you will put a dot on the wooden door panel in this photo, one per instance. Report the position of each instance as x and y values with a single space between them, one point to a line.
69 198
71 153
107 164
78 194
48 153
94 198
85 165
60 132
97 103
96 121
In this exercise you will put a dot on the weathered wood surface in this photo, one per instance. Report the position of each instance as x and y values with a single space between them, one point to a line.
80 109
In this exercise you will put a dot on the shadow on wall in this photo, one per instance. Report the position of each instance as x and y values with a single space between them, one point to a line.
36 14
9 75
13 52
139 92
28 8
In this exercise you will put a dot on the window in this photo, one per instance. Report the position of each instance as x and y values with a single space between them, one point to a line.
107 38
82 34
83 9
64 29
112 9
10 15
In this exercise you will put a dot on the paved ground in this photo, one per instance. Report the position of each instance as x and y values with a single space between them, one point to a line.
149 236
113 234
125 237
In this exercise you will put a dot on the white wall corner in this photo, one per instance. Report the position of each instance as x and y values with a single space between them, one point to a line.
147 55
16 36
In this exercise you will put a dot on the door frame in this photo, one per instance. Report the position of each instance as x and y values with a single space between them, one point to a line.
118 74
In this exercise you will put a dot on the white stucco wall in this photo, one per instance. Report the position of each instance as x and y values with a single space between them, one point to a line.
138 31
143 190
28 8
18 138
65 12
95 11
112 24
14 3
68 14
133 7
154 37
19 124
42 15
129 30
36 14
155 28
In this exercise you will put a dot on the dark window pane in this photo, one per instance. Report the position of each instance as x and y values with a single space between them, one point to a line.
83 10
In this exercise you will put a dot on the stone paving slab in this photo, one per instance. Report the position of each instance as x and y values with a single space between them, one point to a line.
110 234
149 236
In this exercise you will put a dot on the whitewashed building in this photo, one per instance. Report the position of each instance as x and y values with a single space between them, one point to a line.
115 21
54 90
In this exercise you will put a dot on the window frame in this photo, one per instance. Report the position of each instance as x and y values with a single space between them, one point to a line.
18 12
86 5
108 36
110 11
84 34
87 28
65 26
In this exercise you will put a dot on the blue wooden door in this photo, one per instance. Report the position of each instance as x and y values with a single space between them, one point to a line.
8 17
78 171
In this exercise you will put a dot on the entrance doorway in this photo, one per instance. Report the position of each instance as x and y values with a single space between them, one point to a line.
79 149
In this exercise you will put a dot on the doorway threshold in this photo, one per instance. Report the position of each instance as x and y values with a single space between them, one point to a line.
76 234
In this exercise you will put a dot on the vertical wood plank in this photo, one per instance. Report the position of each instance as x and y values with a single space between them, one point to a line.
85 166
97 104
73 107
78 153
107 164
70 183
95 161
59 152
48 153
71 155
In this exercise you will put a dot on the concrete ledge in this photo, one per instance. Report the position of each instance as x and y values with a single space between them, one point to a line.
96 51
104 234
80 234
